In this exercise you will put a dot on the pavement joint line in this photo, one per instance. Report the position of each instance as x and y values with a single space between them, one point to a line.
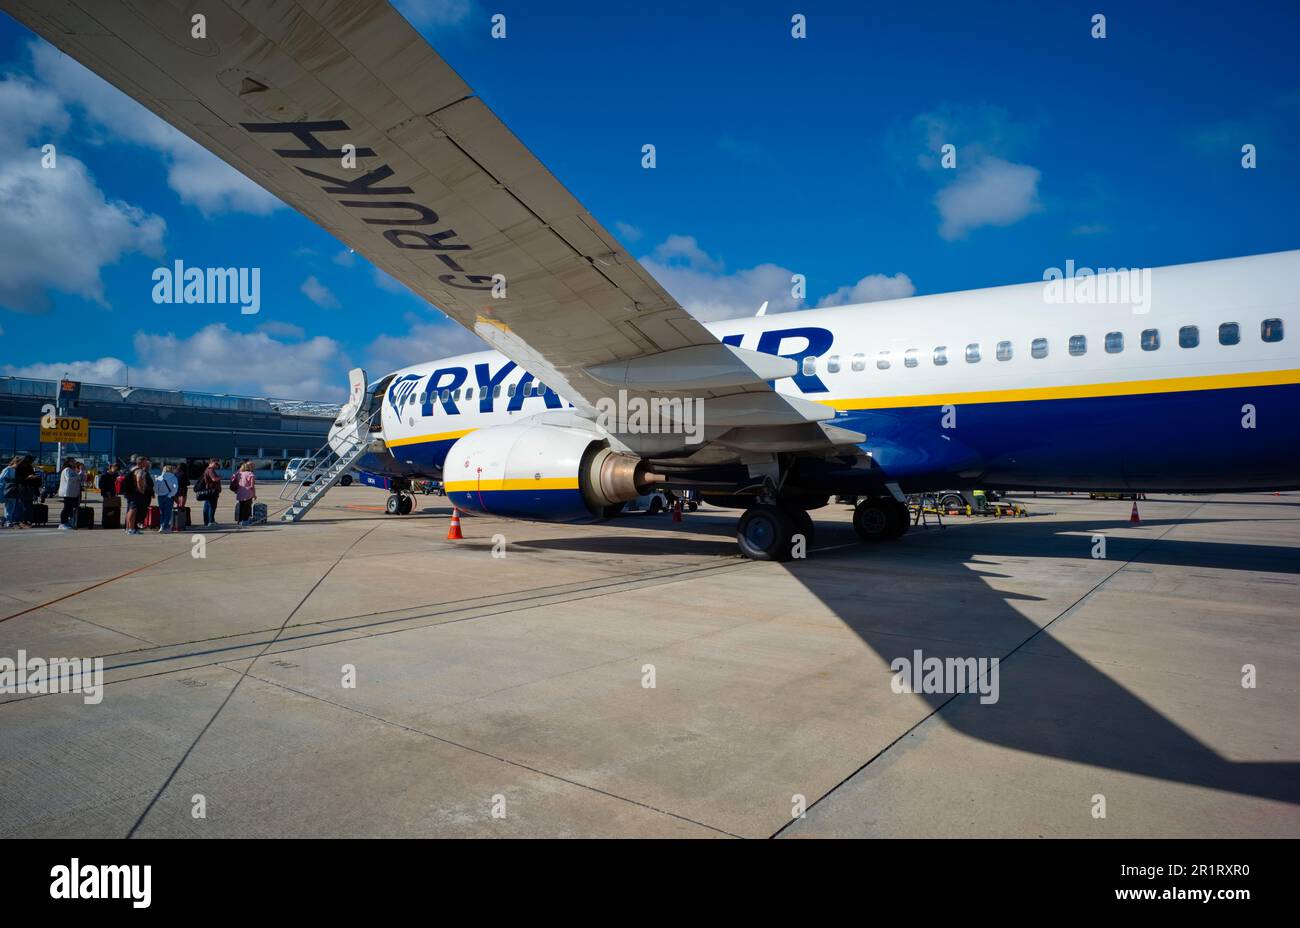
658 581
1069 610
497 757
630 577
533 601
95 586
224 702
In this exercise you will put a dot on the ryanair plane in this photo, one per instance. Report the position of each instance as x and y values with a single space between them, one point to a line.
600 386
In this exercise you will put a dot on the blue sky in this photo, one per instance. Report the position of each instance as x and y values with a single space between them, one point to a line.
774 156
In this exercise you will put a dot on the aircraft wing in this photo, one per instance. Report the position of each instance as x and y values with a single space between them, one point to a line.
442 195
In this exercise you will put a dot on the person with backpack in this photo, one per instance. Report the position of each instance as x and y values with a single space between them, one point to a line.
30 481
181 472
139 486
9 490
165 486
244 483
108 482
207 490
70 492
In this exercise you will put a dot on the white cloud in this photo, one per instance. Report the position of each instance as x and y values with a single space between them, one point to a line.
870 289
218 359
699 282
58 229
319 294
627 232
27 110
685 251
991 192
105 370
423 340
199 177
283 329
435 12
988 187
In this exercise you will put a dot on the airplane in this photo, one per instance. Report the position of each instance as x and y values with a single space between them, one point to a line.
599 386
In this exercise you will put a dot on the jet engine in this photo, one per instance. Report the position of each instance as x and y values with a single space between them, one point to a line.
543 472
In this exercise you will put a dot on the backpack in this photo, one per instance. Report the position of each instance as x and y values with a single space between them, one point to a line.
119 485
234 480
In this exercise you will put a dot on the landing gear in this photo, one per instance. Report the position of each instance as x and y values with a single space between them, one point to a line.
399 504
774 533
881 519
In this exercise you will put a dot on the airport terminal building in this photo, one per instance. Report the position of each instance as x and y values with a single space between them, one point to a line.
169 426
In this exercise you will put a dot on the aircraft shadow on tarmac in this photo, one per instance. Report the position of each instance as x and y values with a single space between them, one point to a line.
1055 703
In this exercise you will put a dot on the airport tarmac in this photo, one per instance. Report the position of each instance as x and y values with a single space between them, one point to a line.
510 696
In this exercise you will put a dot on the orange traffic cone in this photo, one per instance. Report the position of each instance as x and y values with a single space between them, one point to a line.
1133 516
453 533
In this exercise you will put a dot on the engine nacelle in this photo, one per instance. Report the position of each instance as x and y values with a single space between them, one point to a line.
544 472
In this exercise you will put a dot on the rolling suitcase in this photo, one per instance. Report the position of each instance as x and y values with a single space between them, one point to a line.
180 518
40 514
259 513
112 515
153 517
85 517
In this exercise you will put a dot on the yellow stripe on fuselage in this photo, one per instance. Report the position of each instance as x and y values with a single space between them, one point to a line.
1075 391
422 439
523 483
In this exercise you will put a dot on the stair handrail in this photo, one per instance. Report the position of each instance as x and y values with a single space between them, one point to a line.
326 457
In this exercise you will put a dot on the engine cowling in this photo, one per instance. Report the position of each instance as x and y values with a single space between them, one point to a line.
542 472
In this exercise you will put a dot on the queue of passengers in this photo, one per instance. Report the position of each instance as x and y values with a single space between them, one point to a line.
136 484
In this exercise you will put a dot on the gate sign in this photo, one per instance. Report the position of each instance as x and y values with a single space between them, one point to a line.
69 392
71 430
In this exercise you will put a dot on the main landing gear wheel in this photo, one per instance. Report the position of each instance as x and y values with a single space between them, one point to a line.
881 519
404 505
394 505
767 533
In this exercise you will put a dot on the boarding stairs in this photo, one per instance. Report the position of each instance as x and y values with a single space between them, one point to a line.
320 473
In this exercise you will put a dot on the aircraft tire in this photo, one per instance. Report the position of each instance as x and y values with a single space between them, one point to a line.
880 520
764 533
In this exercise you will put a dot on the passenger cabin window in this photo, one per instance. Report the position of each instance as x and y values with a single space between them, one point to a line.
1078 345
469 393
910 357
1270 330
1038 348
1114 342
496 390
972 352
833 364
445 395
1189 336
810 365
510 391
882 361
1150 339
859 362
1229 333
941 356
1004 351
